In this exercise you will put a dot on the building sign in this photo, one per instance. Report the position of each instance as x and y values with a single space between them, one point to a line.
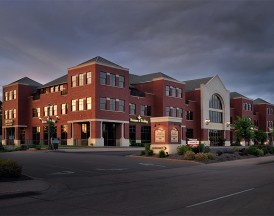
174 135
160 135
193 142
158 148
9 122
139 120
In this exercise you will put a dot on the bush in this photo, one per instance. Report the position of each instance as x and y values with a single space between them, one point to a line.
162 154
23 147
189 155
38 147
253 150
182 149
219 152
211 156
143 152
201 157
199 148
147 146
243 152
236 144
149 152
9 168
207 149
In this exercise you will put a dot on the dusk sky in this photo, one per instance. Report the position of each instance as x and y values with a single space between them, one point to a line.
185 39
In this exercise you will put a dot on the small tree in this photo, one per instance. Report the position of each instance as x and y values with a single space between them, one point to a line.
244 129
260 137
52 129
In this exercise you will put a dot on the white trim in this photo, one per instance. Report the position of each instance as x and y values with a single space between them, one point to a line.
165 119
92 63
17 126
98 120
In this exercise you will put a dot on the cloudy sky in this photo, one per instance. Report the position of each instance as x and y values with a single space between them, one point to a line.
186 39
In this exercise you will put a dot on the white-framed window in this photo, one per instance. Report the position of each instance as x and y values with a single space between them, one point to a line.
6 96
6 114
64 109
103 103
81 79
45 111
73 81
81 104
103 78
14 113
10 95
88 77
167 111
112 104
56 88
112 79
55 112
167 91
132 109
14 94
51 89
89 103
121 81
121 105
73 105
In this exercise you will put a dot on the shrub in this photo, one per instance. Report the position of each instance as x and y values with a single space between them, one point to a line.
147 146
235 149
10 168
23 147
182 149
149 152
143 152
201 157
199 148
219 152
189 155
207 149
211 156
243 152
38 147
253 150
162 154
236 144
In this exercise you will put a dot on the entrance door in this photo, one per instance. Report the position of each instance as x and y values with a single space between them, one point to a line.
109 134
216 137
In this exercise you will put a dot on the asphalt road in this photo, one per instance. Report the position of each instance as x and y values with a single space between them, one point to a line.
111 183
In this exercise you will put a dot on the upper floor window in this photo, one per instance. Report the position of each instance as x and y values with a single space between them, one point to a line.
179 93
180 113
112 104
73 81
64 109
61 87
81 79
189 115
45 111
145 110
121 105
215 102
89 103
73 105
173 92
269 111
112 79
132 109
167 111
121 81
10 95
174 112
14 94
103 103
88 77
103 78
81 104
167 90
36 112
55 110
6 114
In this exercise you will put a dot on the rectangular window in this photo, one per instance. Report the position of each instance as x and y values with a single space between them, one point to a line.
81 79
45 111
103 78
14 113
89 103
112 104
174 112
167 90
14 94
73 105
167 111
64 109
61 87
55 110
173 92
148 111
179 93
189 115
51 111
73 81
103 104
121 81
81 104
132 109
56 88
6 96
143 108
180 113
112 80
10 95
10 114
145 134
215 117
88 77
36 112
189 133
6 114
121 105
51 89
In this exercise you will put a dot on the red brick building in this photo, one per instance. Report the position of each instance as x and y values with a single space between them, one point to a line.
100 103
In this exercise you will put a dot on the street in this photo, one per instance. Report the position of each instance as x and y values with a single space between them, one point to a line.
113 183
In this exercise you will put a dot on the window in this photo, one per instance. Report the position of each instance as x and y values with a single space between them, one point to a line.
6 96
73 105
36 135
55 110
173 92
36 112
112 80
89 103
73 81
179 93
215 102
132 109
81 104
189 115
51 111
10 95
64 109
143 110
103 103
45 111
81 79
121 81
51 89
189 133
167 90
148 110
61 87
103 78
132 133
14 94
215 117
112 104
174 112
14 113
6 114
167 111
145 134
88 77
121 105
10 114
56 88
180 113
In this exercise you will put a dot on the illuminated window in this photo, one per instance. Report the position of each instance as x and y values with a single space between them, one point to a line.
14 113
81 104
6 96
81 79
14 94
55 110
56 88
64 109
89 103
73 81
88 77
73 105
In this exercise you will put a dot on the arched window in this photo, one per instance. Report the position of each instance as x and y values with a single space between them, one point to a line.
215 104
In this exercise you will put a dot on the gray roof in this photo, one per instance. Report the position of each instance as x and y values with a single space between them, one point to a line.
191 85
234 95
27 81
260 101
133 79
101 60
60 80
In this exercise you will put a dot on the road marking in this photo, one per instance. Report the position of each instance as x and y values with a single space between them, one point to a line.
148 164
222 197
62 173
112 169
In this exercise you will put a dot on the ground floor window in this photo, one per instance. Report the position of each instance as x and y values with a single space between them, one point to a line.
145 134
216 137
36 135
189 133
64 134
132 134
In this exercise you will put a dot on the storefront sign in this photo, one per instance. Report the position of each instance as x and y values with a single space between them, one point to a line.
158 148
139 120
193 142
9 122
174 135
160 135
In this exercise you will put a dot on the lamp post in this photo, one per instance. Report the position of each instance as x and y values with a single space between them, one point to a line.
48 126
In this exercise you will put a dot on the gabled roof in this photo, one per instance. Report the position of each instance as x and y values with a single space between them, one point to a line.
100 60
26 81
133 79
261 101
191 85
234 95
60 80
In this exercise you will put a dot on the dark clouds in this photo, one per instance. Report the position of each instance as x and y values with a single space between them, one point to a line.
184 39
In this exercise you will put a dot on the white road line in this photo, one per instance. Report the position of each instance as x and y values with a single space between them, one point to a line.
222 197
111 169
148 164
62 173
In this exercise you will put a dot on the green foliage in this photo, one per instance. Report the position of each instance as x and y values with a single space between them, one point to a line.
200 148
182 149
52 128
211 156
237 143
147 146
260 137
244 128
9 168
162 154
203 157
253 150
266 148
143 152
207 149
189 155
149 152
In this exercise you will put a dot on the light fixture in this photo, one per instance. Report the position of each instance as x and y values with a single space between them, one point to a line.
207 121
228 124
